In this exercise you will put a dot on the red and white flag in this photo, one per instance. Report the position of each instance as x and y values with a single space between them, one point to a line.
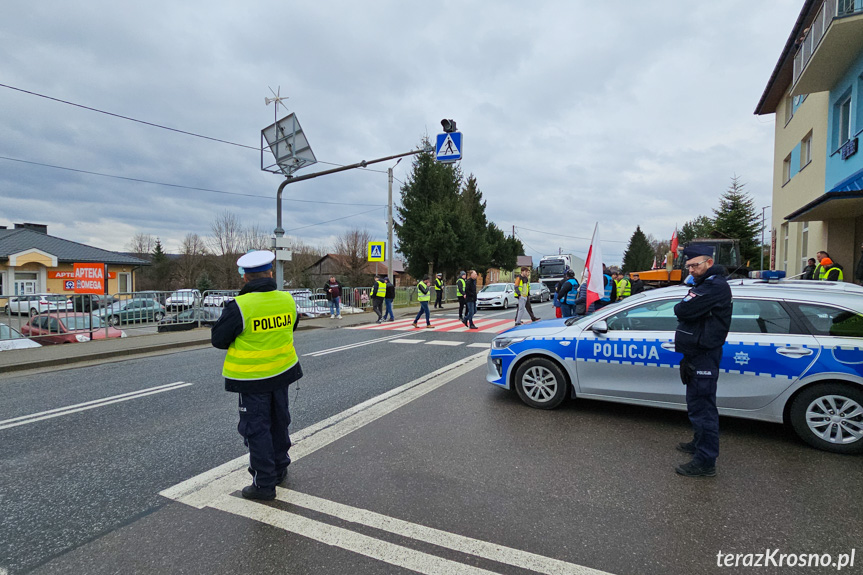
655 265
674 243
665 261
593 270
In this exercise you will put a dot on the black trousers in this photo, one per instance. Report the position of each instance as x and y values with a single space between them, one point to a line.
438 301
378 305
462 307
264 421
701 375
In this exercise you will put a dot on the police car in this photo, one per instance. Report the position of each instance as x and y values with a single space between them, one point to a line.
794 354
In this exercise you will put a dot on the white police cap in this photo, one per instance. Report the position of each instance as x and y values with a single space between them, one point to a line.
258 261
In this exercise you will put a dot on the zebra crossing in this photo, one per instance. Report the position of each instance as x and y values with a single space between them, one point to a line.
441 325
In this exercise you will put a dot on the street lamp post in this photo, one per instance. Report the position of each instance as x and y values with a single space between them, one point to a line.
762 236
390 222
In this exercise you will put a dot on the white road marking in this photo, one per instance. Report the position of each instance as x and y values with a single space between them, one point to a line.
482 345
52 413
351 345
407 340
200 490
444 342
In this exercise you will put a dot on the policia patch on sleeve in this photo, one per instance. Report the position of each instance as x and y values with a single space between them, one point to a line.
270 323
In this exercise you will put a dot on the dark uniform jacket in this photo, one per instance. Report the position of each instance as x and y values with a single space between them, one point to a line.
470 290
704 315
637 286
391 291
230 326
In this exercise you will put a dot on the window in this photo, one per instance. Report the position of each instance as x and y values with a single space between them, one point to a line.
804 243
759 316
650 316
842 120
125 282
785 247
806 150
786 170
828 320
789 108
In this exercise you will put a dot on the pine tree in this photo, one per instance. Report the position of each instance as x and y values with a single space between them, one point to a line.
639 253
161 267
430 222
700 227
737 218
476 250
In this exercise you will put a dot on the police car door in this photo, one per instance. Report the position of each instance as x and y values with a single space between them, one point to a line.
839 333
765 352
634 359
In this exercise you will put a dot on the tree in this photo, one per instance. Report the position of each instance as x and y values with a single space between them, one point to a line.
472 229
639 253
226 244
351 245
141 245
191 262
428 226
161 269
504 250
700 227
737 218
204 284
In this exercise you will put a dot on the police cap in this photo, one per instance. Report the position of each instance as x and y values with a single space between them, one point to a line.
257 261
690 252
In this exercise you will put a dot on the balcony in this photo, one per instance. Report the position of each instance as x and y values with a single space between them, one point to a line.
831 44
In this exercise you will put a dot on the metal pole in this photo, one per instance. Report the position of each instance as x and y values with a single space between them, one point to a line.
280 232
762 236
390 222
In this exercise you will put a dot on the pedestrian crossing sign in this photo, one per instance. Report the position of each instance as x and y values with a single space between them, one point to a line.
377 251
449 147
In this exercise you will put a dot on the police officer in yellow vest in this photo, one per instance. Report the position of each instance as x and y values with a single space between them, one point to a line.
257 329
624 288
460 286
438 290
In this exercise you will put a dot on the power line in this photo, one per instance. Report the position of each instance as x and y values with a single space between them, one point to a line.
140 180
335 220
154 125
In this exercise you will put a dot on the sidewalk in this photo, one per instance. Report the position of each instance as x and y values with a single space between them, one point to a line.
55 355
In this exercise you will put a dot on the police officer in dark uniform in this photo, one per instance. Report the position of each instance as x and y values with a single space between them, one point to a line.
703 318
257 329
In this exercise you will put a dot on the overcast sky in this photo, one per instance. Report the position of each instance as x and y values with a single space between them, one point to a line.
573 112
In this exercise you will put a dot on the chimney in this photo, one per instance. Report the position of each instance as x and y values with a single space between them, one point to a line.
41 228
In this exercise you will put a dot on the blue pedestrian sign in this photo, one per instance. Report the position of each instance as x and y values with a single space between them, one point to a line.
377 251
449 147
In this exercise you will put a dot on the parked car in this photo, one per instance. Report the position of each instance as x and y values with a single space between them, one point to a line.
183 298
132 310
218 299
89 302
794 355
190 318
159 296
307 307
539 292
72 327
496 295
11 339
37 303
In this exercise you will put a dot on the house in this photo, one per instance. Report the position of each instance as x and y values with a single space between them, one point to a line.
337 265
496 275
816 94
31 261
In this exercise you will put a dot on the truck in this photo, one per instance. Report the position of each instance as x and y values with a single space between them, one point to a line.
552 268
726 252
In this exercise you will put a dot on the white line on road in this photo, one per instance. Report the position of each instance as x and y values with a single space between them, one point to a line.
32 418
407 340
482 345
200 490
352 345
444 342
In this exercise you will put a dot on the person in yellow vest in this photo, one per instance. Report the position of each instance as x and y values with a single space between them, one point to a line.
438 291
831 272
818 273
257 329
522 292
379 292
624 288
424 296
460 287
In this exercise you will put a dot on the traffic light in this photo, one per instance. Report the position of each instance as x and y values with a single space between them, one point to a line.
448 125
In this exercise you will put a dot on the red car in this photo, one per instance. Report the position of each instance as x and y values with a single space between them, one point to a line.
51 328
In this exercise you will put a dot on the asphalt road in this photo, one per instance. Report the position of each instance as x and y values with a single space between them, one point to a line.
460 478
80 475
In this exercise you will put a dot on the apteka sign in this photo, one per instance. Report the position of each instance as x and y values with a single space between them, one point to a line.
89 278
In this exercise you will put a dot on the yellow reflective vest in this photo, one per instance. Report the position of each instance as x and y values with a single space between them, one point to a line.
438 284
459 287
624 288
380 289
522 289
265 348
423 296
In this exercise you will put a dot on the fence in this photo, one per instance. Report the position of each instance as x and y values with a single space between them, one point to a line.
56 318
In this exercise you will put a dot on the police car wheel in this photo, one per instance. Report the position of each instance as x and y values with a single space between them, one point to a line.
540 383
829 416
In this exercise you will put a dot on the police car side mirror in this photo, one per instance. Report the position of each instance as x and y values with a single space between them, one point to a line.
599 327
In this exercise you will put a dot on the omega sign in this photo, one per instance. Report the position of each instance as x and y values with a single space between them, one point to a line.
89 278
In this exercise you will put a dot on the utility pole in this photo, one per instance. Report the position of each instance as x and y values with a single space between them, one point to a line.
390 222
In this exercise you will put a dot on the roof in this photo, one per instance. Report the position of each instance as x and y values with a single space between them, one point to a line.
20 240
522 261
783 73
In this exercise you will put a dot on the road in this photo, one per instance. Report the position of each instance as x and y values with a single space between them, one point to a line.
443 474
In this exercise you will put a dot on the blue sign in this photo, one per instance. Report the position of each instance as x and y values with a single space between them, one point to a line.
449 147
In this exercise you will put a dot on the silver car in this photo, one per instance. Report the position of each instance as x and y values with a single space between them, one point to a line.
794 354
496 295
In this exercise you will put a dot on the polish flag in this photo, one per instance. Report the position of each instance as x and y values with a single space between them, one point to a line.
655 265
665 261
593 270
674 243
